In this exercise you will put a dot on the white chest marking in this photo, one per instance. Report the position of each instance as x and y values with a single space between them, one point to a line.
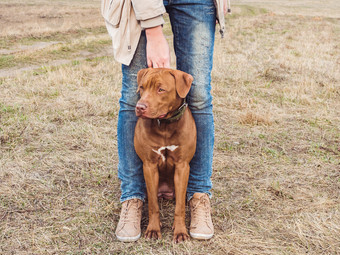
159 151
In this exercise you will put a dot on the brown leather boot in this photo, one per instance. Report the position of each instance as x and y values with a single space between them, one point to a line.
201 226
128 228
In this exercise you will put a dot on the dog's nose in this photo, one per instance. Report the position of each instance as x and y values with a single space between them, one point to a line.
141 107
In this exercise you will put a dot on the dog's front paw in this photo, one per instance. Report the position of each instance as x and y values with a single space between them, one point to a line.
180 234
153 232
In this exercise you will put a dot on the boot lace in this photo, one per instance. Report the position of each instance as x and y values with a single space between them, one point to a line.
201 210
131 212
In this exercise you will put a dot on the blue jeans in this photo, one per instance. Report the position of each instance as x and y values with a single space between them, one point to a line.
193 26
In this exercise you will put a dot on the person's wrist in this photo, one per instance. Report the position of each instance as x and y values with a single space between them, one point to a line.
153 31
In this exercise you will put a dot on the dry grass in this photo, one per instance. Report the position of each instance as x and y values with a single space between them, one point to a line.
277 157
252 118
19 18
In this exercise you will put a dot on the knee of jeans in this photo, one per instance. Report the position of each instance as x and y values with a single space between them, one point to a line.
199 98
129 98
130 169
127 104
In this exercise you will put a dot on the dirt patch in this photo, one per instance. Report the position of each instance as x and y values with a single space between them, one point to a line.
15 71
35 46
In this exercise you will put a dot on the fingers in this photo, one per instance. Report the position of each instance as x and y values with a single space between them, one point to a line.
149 62
167 64
158 63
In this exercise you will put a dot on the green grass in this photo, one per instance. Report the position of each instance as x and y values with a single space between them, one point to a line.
246 11
7 61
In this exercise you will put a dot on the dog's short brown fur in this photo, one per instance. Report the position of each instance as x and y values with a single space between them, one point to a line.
165 148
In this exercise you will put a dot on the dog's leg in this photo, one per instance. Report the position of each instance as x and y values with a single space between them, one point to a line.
181 182
151 177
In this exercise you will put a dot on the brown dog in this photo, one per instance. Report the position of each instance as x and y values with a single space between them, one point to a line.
165 140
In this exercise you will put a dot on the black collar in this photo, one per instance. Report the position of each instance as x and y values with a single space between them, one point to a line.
177 115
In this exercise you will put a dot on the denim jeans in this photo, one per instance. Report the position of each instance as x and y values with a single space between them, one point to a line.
193 26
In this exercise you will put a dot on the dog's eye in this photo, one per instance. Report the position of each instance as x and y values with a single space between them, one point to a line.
161 90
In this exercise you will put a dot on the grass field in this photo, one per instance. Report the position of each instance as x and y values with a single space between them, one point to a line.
276 87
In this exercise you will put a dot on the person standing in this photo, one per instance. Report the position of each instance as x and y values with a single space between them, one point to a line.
138 42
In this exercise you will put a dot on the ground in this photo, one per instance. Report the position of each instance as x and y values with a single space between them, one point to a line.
276 88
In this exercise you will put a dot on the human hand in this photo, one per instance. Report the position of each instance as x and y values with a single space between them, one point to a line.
157 48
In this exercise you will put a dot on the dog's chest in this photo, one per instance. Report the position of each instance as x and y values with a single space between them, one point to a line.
165 151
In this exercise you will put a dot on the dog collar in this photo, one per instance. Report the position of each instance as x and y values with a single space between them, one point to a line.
176 116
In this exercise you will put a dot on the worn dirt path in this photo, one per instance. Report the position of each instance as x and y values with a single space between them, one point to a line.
14 71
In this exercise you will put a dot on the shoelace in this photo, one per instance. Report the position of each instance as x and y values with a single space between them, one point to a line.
126 217
202 214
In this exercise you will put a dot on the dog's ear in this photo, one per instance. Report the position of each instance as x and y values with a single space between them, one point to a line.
183 82
140 75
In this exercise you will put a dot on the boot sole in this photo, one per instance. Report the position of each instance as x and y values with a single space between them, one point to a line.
128 238
201 236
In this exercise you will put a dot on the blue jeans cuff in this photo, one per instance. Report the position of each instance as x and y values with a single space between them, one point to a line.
189 196
132 197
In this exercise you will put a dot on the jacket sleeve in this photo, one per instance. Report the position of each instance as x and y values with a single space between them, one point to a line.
149 12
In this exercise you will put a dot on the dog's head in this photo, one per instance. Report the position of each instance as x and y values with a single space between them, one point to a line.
161 91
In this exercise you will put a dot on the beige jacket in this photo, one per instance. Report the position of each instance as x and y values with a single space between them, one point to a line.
125 20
